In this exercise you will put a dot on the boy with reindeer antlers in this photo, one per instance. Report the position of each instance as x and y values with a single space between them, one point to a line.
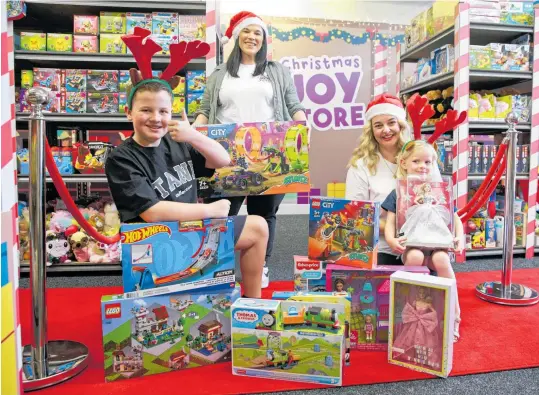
152 175
427 220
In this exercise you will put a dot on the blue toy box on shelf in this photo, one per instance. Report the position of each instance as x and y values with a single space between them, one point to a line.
177 255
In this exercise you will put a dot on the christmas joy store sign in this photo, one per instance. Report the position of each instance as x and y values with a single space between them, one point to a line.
328 88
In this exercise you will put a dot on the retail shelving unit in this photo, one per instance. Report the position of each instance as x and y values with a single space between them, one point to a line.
462 35
40 13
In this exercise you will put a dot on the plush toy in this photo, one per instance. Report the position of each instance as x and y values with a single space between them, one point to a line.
60 221
434 98
79 242
57 248
112 219
447 102
24 240
97 220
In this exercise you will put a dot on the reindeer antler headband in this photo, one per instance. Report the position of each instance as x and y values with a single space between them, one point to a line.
144 48
420 110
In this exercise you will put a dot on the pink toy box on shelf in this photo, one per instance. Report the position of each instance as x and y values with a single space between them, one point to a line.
369 291
421 322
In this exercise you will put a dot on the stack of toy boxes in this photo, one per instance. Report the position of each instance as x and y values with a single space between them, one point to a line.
178 281
440 16
112 25
297 338
178 104
165 30
85 29
102 91
369 291
196 84
484 11
74 92
52 80
421 322
192 27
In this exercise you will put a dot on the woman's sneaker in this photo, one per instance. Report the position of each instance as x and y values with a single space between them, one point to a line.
265 277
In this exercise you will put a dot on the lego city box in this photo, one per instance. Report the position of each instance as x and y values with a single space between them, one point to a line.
344 232
149 334
369 293
421 322
266 158
177 255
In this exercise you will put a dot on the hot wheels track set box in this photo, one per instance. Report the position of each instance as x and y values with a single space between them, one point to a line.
177 255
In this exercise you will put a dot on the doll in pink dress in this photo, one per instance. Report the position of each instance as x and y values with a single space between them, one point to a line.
369 328
420 331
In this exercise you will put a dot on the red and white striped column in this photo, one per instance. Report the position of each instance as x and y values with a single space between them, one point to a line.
11 328
212 19
461 103
534 145
398 70
380 68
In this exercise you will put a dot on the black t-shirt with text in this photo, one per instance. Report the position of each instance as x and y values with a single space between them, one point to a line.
139 177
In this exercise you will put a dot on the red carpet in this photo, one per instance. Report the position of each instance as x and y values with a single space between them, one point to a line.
487 329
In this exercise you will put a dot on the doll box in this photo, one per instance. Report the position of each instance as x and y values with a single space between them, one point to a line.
87 44
369 292
145 335
309 274
267 158
344 232
86 24
111 43
31 41
138 19
112 22
421 322
182 256
59 42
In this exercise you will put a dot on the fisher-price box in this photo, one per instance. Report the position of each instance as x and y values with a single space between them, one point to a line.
86 44
145 334
182 255
421 322
267 158
344 232
289 340
33 41
369 292
309 274
59 42
86 24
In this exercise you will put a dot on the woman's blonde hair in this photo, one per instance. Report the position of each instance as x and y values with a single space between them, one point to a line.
408 149
368 149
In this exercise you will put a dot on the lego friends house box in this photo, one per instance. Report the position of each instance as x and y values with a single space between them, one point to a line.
267 158
344 232
145 335
184 255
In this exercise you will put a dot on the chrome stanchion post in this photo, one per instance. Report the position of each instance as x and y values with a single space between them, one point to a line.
44 363
505 292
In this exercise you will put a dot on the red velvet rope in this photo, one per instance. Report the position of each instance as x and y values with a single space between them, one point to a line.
479 194
70 204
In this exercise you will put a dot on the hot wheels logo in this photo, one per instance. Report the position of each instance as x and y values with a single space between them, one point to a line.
308 265
134 236
113 310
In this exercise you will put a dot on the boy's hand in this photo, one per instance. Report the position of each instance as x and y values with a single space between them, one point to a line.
219 209
396 244
182 131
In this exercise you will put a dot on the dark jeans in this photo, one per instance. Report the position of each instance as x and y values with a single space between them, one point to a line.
265 206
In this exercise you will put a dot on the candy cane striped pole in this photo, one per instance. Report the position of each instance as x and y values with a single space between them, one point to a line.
380 66
534 145
461 103
11 328
398 70
212 19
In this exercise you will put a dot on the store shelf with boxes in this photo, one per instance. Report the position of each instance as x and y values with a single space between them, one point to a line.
81 59
477 57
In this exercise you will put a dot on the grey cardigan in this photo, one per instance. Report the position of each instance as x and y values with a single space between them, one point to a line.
285 97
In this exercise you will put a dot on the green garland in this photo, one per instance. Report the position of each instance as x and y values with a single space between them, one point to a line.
384 39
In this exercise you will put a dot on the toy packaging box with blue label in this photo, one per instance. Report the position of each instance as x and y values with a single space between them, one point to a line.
267 158
185 255
309 274
145 335
344 232
74 80
369 292
138 19
288 340
165 23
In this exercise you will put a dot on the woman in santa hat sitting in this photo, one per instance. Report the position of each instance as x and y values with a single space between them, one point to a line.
249 88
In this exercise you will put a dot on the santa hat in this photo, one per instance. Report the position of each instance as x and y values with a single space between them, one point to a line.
386 104
239 21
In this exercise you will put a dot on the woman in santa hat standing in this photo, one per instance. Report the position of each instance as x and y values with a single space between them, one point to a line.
373 166
249 88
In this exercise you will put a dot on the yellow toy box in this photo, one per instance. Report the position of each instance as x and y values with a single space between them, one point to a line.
59 42
111 43
112 22
33 41
440 17
178 104
27 79
480 57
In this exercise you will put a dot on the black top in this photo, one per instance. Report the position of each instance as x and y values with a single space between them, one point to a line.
390 204
140 177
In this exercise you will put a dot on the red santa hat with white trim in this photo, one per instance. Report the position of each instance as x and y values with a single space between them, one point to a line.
386 104
239 21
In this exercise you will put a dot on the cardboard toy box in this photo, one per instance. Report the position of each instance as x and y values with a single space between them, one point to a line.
86 44
102 103
344 232
112 22
297 341
86 24
103 81
138 19
267 158
165 23
369 292
59 42
31 41
74 80
145 335
421 322
309 274
187 255
111 43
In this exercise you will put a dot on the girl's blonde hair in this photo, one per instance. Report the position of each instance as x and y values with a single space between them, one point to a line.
368 147
408 149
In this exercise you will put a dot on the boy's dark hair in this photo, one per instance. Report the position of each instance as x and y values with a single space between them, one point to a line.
234 60
148 87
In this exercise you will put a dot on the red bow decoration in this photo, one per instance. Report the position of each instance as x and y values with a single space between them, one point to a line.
427 320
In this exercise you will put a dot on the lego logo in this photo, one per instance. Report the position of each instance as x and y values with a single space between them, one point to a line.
113 311
316 204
